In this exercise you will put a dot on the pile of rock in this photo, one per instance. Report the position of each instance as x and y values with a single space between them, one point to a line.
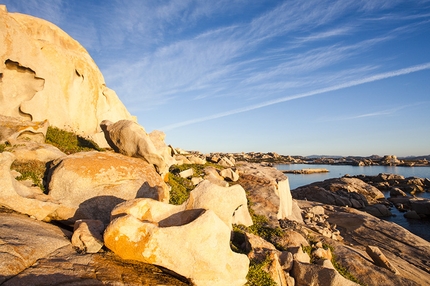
316 219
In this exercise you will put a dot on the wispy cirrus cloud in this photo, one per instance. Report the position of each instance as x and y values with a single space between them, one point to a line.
385 112
356 82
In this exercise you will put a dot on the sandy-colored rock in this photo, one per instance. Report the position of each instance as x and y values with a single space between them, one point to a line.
23 199
224 201
212 175
48 75
229 204
88 236
27 150
157 138
186 173
226 162
198 249
406 252
229 174
90 184
269 191
23 241
313 274
129 138
15 129
380 259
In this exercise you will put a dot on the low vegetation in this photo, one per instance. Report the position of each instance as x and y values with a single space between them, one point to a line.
257 276
30 170
2 147
342 270
69 142
181 187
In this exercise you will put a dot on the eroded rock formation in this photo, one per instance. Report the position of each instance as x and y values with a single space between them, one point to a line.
45 74
194 243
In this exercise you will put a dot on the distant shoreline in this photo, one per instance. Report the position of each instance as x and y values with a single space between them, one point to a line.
306 171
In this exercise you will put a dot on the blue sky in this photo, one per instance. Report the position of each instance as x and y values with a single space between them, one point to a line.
292 77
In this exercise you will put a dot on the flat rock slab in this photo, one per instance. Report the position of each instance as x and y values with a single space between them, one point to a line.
23 241
66 267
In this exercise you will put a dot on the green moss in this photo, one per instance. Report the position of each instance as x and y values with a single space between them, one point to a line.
2 147
30 170
257 276
69 142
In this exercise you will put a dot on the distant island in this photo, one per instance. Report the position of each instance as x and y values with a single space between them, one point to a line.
306 171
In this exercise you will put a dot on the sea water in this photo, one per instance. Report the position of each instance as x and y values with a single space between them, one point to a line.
418 227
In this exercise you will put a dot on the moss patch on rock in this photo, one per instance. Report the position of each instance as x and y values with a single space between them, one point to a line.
69 142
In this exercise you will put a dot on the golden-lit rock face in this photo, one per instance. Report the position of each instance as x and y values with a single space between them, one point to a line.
46 74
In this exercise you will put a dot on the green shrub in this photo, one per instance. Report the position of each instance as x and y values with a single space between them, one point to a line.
30 170
180 189
2 147
69 142
257 276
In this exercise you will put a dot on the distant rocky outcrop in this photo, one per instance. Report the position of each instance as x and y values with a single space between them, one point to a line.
47 75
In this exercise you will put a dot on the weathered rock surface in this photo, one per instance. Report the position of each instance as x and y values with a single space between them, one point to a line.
380 259
198 249
313 274
28 150
211 174
88 236
42 67
13 129
229 204
38 253
259 250
130 139
269 190
66 267
23 199
344 191
229 175
408 253
23 241
90 184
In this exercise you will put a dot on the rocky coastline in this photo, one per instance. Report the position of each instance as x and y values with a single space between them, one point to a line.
96 200
374 160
